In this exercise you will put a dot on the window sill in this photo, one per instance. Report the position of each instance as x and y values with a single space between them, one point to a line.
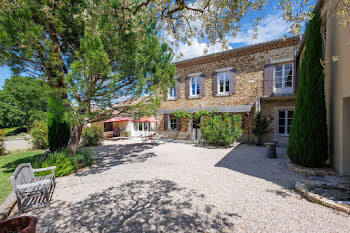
223 94
193 97
171 99
283 135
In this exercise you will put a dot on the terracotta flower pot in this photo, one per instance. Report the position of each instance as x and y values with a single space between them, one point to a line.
22 224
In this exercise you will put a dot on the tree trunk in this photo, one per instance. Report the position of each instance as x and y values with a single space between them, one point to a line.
74 139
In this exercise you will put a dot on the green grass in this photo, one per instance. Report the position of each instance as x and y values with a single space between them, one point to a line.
8 164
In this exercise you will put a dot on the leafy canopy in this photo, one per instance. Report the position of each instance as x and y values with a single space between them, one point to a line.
22 101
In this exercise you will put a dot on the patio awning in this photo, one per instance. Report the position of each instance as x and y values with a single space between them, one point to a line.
146 119
119 119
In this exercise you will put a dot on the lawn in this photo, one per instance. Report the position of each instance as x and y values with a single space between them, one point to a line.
8 164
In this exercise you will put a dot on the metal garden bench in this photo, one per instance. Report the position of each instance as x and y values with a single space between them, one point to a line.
26 185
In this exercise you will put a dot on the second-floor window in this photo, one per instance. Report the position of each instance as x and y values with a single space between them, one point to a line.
283 79
172 93
195 86
223 82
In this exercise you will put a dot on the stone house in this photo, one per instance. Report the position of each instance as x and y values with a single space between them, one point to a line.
237 81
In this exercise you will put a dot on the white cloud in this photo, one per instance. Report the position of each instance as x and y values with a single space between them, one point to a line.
270 28
196 49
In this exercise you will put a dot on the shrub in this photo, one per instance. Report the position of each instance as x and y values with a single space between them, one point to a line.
261 126
308 140
92 136
58 124
65 162
221 130
38 133
2 140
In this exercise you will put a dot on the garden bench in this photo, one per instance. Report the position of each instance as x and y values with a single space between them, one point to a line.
26 185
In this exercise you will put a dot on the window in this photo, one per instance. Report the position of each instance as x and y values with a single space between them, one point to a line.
285 120
136 126
195 84
283 78
140 126
172 123
223 82
172 93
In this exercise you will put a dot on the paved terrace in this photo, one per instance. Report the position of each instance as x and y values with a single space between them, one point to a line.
175 187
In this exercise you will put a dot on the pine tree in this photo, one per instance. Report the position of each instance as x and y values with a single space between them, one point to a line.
58 124
308 142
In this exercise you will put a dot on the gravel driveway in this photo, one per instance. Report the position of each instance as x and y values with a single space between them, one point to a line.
175 187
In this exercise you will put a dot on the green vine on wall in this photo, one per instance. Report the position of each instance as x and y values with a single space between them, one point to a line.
197 115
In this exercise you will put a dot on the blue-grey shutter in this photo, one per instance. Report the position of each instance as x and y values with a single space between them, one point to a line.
268 79
214 83
166 120
232 82
187 87
202 85
178 88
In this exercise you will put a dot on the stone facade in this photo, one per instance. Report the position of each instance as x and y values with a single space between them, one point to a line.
248 64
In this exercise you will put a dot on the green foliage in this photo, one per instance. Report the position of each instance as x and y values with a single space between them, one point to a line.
58 124
308 138
261 125
65 162
182 114
2 139
22 101
38 132
221 129
92 136
14 131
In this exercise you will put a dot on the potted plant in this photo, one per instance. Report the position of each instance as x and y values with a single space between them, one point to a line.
260 128
21 224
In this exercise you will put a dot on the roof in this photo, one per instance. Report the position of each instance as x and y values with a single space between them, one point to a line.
269 45
233 108
119 119
130 102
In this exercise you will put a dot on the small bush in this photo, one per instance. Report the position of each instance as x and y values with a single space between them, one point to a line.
92 136
65 162
222 130
38 133
15 130
2 140
261 126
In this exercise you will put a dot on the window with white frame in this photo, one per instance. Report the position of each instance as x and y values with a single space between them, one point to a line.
283 79
136 126
223 82
172 93
195 86
172 123
285 120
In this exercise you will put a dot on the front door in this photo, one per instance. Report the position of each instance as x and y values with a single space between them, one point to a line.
196 130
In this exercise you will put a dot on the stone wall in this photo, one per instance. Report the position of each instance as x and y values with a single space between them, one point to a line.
249 71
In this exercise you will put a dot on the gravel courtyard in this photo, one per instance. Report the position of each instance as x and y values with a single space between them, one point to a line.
174 187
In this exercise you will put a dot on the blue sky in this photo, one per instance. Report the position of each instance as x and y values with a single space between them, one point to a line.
270 28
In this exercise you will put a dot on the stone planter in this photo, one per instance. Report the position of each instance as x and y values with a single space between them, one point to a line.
271 149
22 224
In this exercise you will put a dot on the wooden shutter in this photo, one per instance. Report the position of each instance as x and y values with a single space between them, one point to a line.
178 124
268 79
166 121
232 83
187 87
202 85
178 88
214 83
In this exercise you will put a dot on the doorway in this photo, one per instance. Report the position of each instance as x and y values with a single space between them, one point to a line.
196 130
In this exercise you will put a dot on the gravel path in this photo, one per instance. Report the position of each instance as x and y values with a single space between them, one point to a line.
174 187
17 144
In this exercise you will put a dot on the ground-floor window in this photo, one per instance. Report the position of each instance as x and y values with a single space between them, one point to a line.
285 120
172 124
142 126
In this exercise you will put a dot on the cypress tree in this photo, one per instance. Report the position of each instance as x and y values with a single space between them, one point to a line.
308 142
58 124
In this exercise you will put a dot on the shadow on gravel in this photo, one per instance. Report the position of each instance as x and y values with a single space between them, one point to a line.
109 156
252 161
137 206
